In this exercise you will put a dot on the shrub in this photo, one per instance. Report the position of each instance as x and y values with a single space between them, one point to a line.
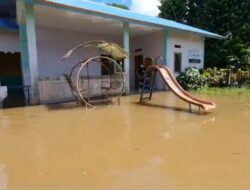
191 79
226 77
242 61
242 78
216 77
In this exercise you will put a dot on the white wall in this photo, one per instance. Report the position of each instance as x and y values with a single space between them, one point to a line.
52 44
188 43
152 46
9 41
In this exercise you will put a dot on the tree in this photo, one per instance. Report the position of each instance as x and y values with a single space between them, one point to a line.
229 18
121 6
174 10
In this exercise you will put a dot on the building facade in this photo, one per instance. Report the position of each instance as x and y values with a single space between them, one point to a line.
45 30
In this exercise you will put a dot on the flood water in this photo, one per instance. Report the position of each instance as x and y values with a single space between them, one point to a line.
131 146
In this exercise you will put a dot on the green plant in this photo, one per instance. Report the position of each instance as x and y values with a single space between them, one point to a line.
241 61
243 91
242 78
191 79
216 77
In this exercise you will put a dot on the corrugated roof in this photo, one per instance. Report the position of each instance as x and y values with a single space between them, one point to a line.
125 15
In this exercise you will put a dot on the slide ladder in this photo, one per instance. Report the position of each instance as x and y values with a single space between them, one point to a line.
147 86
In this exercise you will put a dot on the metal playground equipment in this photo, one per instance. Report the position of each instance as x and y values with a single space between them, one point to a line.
148 81
98 79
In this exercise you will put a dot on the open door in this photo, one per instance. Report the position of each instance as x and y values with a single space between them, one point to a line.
138 60
11 76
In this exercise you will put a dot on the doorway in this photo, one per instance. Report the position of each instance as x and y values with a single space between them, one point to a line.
177 62
11 76
138 60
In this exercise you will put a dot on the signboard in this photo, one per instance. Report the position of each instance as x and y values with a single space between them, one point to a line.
194 56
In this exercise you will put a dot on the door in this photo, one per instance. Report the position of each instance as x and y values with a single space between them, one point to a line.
138 60
177 62
11 76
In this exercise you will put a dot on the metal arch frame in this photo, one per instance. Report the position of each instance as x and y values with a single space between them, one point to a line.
87 62
94 44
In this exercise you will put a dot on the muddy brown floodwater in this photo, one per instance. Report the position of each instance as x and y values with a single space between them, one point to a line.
156 146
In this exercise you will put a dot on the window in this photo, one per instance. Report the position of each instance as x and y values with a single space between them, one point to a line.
177 62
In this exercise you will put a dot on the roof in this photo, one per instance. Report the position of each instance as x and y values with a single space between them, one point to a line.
123 15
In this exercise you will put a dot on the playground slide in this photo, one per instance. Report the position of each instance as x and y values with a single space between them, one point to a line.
175 87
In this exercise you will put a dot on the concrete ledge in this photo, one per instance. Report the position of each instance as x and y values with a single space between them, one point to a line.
54 91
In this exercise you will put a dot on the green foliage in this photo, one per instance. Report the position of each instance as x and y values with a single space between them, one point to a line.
241 61
121 6
194 79
174 10
240 78
229 18
233 92
215 77
191 79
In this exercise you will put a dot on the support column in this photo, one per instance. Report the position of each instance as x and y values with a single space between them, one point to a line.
165 55
24 59
29 52
126 40
24 55
165 48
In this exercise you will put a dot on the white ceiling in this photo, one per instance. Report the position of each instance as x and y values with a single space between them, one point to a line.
56 18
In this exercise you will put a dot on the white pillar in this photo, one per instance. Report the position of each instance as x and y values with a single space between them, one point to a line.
24 54
29 52
165 56
165 48
126 39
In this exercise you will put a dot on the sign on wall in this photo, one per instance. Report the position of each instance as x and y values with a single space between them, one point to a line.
194 56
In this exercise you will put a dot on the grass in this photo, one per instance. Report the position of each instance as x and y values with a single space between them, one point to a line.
233 91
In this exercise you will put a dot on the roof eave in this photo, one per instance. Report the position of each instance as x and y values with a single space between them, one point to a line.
123 15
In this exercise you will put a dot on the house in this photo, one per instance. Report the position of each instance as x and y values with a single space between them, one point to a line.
45 29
